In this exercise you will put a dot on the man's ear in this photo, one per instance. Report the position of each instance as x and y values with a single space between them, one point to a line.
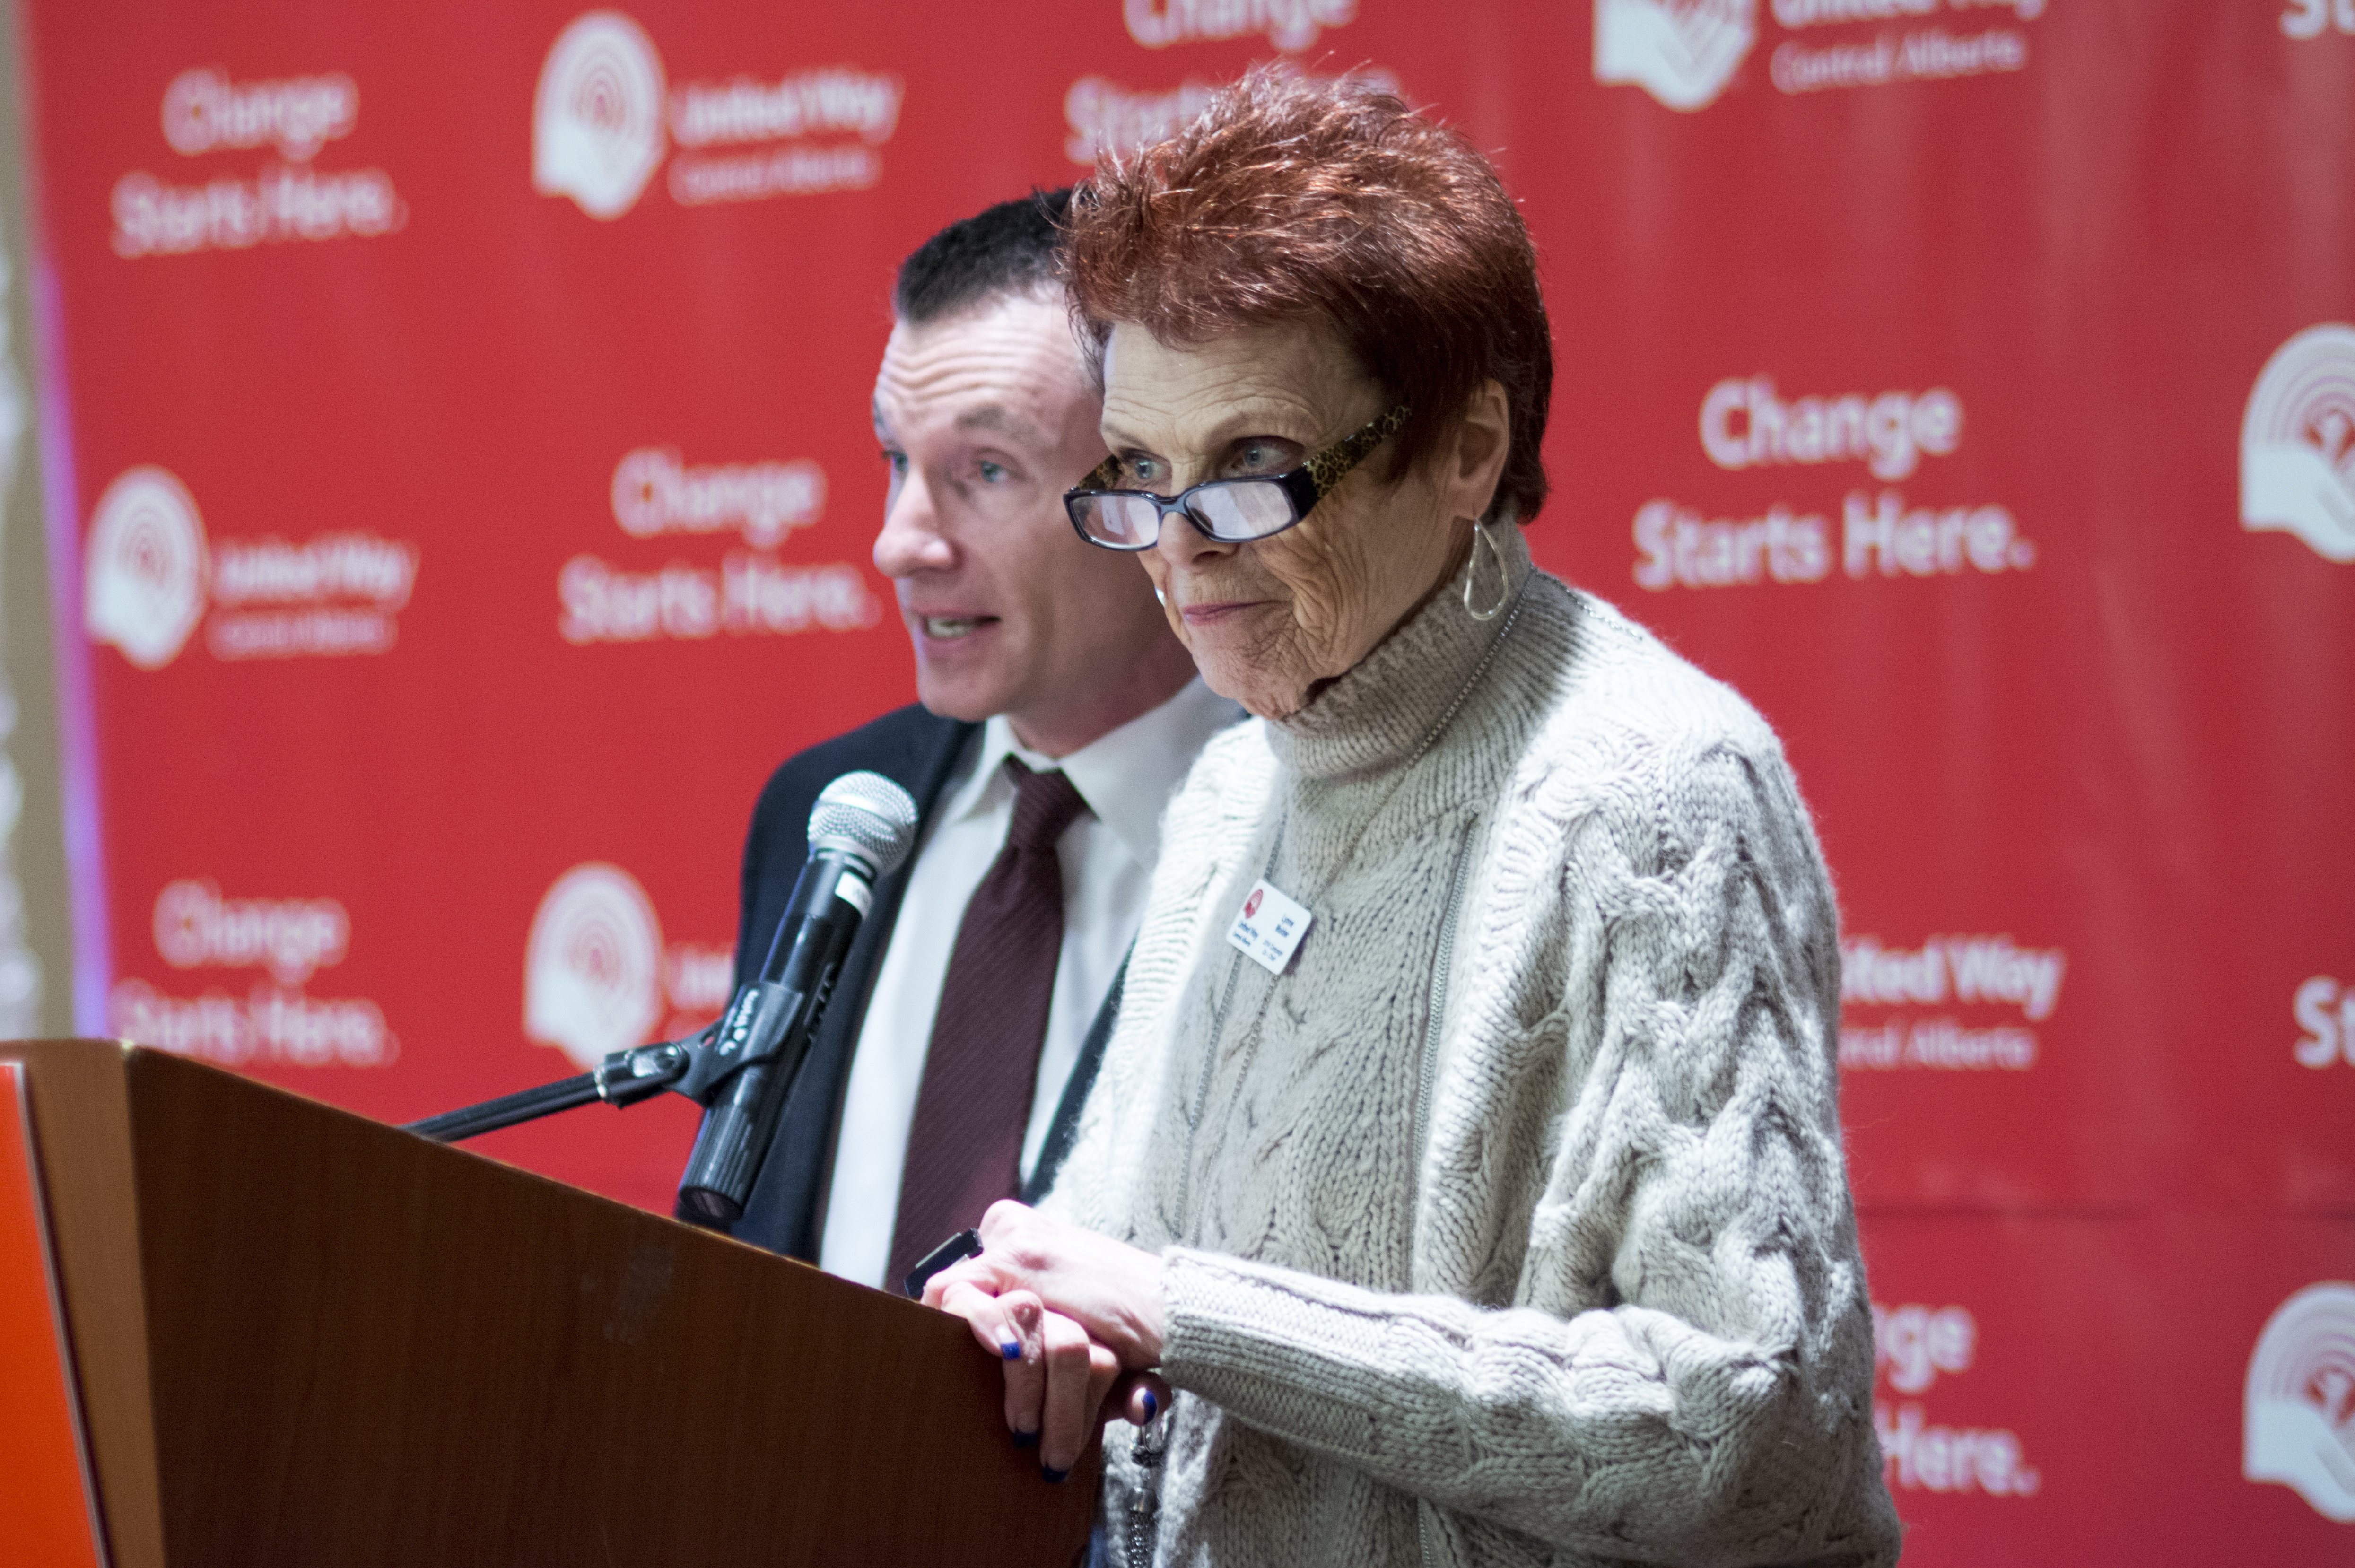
1474 463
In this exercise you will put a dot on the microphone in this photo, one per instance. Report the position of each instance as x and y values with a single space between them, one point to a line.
859 831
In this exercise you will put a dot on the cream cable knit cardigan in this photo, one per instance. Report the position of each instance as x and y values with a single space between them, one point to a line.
1613 1310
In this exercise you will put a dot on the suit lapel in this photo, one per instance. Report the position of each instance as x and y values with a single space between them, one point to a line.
919 751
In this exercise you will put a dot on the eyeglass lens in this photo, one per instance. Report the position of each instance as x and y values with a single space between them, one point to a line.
1233 510
1243 509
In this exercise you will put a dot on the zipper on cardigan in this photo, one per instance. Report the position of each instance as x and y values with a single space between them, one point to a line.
1442 964
1152 1444
1202 1100
1211 1064
1145 1515
1441 969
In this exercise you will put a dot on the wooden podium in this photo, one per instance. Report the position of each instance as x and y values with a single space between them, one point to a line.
304 1337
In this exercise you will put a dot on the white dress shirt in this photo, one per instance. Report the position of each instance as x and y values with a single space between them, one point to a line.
1126 778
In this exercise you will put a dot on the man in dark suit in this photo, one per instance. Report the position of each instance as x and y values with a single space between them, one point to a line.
1058 713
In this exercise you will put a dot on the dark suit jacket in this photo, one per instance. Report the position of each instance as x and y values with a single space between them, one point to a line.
917 750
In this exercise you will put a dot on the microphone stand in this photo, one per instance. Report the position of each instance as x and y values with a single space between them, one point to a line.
749 1034
623 1078
740 1068
708 1067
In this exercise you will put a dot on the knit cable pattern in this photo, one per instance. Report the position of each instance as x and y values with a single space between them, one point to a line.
1613 1310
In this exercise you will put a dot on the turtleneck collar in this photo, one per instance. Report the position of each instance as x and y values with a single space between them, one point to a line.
1381 711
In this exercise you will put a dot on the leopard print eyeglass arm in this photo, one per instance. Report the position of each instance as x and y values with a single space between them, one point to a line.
1326 468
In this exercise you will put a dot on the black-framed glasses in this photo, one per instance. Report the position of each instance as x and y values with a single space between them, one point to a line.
1231 511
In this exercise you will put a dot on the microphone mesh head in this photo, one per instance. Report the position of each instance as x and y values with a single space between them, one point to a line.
867 815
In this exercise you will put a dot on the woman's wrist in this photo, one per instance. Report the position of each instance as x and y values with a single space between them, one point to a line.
1146 1308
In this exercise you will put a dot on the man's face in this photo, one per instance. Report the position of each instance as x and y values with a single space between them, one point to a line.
987 418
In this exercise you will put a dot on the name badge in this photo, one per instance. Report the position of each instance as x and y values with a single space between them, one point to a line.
1270 927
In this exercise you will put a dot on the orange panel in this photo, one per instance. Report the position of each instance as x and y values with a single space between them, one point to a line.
44 1492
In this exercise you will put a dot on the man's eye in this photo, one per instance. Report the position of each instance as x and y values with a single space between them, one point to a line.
1144 471
992 473
897 462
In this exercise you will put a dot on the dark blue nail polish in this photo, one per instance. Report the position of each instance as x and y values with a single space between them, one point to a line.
1025 1440
1152 1405
1010 1349
1052 1474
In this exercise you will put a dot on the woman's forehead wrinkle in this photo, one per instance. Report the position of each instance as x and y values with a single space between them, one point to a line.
1202 412
1188 404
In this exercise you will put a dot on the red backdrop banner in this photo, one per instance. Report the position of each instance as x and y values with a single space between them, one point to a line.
461 490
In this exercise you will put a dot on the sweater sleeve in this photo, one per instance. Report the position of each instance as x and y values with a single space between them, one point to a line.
1684 1370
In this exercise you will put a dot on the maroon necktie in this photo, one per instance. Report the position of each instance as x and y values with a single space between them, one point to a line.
964 1147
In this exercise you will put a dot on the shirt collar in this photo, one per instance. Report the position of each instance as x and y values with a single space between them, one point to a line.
1126 776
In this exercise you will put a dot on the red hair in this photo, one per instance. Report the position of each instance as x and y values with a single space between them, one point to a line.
1289 200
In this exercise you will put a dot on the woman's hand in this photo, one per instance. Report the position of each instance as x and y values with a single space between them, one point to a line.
1069 1311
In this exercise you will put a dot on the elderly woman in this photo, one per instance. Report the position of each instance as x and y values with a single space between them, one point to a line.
1490 1208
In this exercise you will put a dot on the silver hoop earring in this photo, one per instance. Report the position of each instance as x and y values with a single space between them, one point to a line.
1480 535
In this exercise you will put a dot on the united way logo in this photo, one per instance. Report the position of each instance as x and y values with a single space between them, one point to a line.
2297 442
1682 52
597 120
145 573
593 968
2299 1417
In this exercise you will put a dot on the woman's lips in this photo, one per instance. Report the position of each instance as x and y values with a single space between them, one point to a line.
1212 614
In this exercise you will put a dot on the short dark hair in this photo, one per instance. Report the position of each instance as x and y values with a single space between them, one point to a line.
1289 200
1011 249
